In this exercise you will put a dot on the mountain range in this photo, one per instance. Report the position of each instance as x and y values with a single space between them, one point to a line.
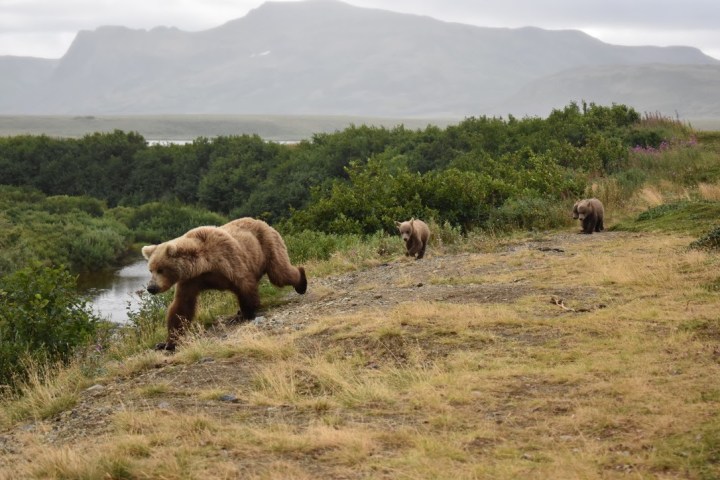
325 57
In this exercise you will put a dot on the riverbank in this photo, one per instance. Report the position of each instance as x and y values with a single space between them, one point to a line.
113 292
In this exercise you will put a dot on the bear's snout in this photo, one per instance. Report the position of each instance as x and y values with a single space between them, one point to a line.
154 289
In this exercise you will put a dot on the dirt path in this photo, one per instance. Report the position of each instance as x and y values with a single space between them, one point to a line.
459 278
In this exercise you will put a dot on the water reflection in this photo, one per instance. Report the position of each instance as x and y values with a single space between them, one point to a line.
112 292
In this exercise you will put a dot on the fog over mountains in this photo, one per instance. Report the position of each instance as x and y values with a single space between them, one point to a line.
327 57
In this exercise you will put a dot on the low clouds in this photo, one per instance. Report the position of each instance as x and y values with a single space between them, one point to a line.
46 28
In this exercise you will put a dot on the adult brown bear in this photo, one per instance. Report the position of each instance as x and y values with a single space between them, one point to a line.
218 258
590 212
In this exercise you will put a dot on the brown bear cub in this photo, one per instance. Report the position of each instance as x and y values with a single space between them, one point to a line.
233 257
415 234
590 212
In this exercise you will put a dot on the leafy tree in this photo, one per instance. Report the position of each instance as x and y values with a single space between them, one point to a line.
237 165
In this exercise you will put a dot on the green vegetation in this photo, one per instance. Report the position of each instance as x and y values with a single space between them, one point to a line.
505 385
42 320
323 184
73 231
709 241
83 203
689 217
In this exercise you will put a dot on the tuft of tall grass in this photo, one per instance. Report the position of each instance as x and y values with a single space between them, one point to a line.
47 390
709 191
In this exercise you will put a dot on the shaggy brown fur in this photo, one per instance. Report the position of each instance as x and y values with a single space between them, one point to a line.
279 270
415 234
590 212
218 258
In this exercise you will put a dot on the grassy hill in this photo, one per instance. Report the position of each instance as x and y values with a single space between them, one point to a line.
549 356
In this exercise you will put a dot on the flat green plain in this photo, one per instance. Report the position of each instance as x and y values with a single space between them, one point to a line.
189 127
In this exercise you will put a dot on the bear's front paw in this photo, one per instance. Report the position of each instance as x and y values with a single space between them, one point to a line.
166 347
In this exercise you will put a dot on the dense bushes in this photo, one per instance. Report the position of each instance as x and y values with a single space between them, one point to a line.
74 231
81 232
160 221
384 190
244 175
484 172
42 319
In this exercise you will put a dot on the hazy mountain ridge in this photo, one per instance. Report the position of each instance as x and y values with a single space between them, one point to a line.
327 57
689 91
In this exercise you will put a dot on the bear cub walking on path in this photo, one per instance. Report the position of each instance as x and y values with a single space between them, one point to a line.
233 257
415 234
590 212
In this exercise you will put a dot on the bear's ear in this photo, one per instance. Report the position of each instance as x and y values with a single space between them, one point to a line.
148 250
172 250
200 233
397 224
179 249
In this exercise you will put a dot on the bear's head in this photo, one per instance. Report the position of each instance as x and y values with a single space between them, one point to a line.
575 213
406 229
584 208
168 262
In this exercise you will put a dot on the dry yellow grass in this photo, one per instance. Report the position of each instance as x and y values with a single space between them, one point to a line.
647 197
709 191
625 388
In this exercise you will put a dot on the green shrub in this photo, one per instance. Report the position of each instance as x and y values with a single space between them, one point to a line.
160 221
95 246
60 204
41 317
709 241
312 245
531 213
442 234
73 231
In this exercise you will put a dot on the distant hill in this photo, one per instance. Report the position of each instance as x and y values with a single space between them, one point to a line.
688 91
328 58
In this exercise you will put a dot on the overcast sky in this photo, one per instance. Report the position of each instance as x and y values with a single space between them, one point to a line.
45 28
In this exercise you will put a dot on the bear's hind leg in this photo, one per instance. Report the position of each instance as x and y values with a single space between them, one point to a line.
421 253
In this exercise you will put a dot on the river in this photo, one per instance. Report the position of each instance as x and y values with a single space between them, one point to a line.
112 292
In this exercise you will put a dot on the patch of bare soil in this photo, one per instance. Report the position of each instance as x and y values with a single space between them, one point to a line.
441 278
